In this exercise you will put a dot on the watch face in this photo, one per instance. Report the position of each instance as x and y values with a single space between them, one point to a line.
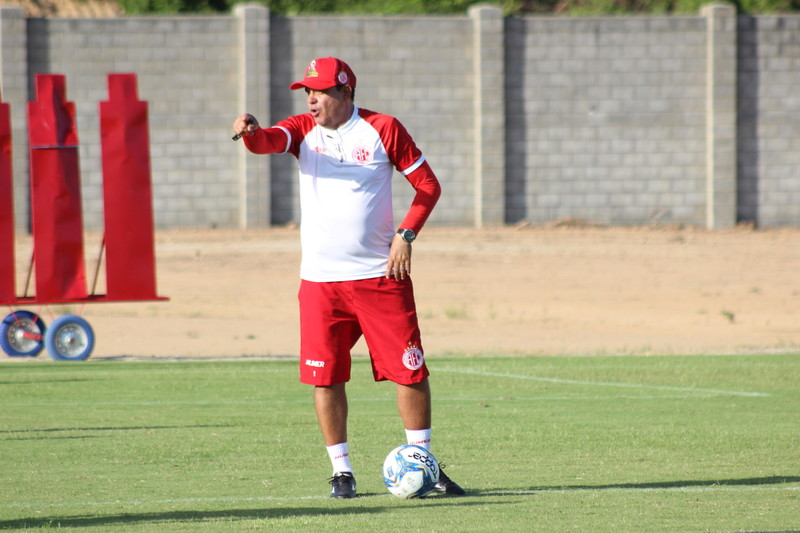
408 235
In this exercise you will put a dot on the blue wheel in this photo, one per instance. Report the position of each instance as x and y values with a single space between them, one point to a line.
69 338
22 334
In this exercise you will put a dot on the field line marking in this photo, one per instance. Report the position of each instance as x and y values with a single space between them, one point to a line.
748 394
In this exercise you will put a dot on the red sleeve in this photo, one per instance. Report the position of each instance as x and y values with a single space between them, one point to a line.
404 154
267 141
285 136
400 147
428 191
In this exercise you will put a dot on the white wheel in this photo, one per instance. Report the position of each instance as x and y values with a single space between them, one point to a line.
69 338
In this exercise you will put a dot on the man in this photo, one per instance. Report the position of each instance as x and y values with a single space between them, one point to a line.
356 266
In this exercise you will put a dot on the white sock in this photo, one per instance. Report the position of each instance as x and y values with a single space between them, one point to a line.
420 437
340 457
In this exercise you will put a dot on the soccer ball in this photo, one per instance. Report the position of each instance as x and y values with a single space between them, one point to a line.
410 471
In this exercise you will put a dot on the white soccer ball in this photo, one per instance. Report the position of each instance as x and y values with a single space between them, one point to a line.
410 471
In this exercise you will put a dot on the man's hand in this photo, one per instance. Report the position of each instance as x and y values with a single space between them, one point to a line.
244 124
399 259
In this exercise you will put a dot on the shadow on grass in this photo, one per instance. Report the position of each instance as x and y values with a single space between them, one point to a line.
201 516
772 480
113 428
29 381
47 433
175 516
744 482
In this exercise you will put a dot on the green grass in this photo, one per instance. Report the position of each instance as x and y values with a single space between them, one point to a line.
551 444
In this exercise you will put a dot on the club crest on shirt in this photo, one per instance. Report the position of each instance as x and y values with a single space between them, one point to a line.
413 359
362 155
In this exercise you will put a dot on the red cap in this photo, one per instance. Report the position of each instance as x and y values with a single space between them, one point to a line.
324 73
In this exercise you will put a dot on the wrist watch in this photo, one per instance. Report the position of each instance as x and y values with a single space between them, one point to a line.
407 235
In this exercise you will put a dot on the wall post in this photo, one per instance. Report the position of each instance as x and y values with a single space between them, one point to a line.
721 170
14 91
254 97
489 110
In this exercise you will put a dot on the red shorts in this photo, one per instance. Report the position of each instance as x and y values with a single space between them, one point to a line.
334 315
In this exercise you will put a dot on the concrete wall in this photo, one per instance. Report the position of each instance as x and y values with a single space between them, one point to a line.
610 125
188 74
617 120
417 69
769 120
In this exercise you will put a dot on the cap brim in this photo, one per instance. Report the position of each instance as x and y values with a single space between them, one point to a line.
310 84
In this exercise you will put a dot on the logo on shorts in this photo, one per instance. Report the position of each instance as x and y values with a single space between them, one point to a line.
318 364
413 358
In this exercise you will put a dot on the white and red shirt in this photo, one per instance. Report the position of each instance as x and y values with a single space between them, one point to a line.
346 189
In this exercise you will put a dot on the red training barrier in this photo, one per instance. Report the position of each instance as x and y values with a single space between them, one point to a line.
55 193
7 278
127 192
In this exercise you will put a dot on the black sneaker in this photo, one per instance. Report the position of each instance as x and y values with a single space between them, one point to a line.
343 485
445 485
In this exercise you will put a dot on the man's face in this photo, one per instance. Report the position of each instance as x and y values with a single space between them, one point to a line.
330 107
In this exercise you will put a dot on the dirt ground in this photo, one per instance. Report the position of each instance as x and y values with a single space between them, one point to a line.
561 289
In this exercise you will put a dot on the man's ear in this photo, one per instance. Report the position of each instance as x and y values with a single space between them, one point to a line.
346 91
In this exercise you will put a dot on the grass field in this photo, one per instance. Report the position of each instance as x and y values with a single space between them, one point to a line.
551 444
